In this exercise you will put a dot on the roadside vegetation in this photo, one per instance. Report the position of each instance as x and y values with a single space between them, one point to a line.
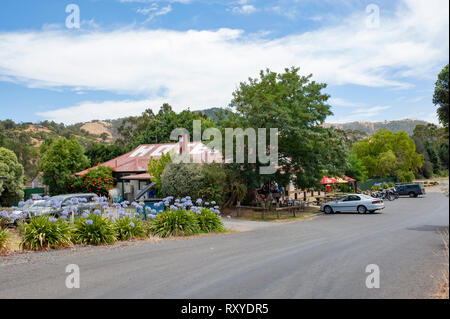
108 224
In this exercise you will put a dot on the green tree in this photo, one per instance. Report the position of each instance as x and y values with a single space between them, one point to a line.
100 153
356 168
156 168
61 160
181 180
295 105
440 96
150 128
388 154
11 189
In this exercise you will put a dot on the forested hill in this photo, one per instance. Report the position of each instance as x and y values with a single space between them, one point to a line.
99 137
371 128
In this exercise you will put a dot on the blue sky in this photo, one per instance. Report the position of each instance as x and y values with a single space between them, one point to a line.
129 55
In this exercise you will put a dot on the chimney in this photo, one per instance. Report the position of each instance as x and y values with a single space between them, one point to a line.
183 141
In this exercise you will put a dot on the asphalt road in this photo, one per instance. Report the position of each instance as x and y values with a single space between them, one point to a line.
322 258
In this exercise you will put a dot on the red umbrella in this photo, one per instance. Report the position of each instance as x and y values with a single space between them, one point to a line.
349 179
327 180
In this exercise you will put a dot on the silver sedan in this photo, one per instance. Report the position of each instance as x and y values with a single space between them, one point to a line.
358 203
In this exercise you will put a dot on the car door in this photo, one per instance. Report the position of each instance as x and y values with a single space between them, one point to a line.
340 204
353 203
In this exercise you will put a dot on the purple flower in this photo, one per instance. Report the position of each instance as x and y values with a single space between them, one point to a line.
152 216
53 220
97 212
199 201
132 225
89 222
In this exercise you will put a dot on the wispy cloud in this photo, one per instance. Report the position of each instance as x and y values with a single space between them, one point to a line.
243 7
201 68
153 11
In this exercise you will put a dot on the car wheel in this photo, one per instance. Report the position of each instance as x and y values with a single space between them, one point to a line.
328 210
412 194
362 209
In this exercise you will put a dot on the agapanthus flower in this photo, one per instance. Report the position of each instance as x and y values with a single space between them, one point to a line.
152 216
213 202
89 222
199 201
97 212
53 220
132 225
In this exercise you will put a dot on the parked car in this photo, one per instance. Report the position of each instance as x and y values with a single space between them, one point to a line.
58 204
411 190
359 203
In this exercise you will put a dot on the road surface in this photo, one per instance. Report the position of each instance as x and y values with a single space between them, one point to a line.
322 258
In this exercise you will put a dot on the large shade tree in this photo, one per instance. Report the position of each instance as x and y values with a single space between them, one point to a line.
61 159
297 107
441 98
11 178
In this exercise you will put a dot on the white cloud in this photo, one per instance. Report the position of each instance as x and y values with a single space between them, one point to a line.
200 69
244 9
99 110
154 11
336 101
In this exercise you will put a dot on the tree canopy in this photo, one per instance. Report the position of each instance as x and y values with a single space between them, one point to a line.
150 128
440 96
296 105
60 161
11 189
388 154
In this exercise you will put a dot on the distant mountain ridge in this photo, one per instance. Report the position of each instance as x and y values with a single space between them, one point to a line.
371 128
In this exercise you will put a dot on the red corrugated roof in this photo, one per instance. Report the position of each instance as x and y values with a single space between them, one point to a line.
137 160
143 176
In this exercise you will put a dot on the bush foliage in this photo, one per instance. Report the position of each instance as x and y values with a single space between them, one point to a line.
94 230
209 221
174 223
4 236
46 232
128 228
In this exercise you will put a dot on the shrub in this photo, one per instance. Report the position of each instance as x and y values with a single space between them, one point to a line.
181 179
174 223
209 221
127 228
4 236
94 230
98 180
46 232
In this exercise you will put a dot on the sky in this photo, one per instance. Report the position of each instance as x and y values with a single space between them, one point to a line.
380 59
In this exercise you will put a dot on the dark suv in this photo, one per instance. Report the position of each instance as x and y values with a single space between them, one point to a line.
412 190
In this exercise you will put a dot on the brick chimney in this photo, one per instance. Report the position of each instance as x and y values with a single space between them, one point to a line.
183 140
